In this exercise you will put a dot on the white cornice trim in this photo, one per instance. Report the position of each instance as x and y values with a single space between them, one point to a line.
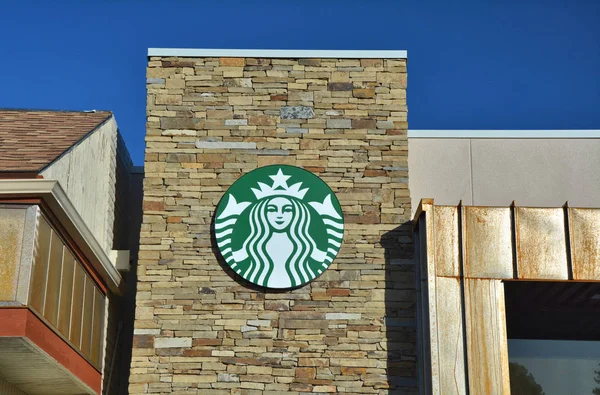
276 53
56 198
504 134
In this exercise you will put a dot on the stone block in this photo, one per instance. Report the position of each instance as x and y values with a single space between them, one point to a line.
364 124
340 86
296 130
236 122
225 145
385 125
274 152
168 99
297 112
173 342
339 123
219 114
300 96
342 316
262 120
309 62
228 378
181 123
143 341
364 93
232 62
240 100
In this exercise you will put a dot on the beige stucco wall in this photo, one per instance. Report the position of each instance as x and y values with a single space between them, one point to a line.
541 172
87 174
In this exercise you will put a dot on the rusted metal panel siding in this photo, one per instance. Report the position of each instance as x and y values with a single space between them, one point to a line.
541 243
12 222
465 253
451 334
432 305
447 241
487 237
486 337
584 231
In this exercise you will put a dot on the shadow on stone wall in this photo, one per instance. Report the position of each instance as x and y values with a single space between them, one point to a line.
400 311
122 308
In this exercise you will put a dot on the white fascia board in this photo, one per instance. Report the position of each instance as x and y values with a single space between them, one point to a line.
504 134
276 53
58 201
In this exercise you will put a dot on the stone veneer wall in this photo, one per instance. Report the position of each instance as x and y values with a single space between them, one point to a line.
198 325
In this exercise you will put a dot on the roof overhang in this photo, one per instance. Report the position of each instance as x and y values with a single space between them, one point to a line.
277 53
58 202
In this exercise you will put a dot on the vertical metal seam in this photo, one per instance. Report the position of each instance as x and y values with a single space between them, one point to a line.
82 313
568 241
91 335
47 272
437 325
418 312
461 278
514 240
75 263
60 284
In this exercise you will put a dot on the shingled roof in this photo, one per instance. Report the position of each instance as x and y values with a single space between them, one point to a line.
32 139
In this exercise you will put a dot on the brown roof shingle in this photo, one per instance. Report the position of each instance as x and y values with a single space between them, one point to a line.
31 139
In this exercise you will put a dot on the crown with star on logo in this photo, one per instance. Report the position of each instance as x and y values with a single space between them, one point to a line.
279 187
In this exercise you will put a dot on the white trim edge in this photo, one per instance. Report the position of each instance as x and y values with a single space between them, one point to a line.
56 198
504 134
277 53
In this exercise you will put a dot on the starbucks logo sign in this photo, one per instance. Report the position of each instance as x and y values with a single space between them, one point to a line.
279 226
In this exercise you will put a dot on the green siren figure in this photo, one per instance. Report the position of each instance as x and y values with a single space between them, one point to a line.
281 238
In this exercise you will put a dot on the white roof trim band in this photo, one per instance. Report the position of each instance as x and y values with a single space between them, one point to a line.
276 53
504 134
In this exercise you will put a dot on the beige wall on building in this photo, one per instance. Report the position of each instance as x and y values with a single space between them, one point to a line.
541 172
8 389
87 174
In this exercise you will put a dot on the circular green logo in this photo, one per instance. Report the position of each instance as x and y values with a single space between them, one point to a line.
279 226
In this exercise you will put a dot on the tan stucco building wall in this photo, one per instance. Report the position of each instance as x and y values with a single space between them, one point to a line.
542 170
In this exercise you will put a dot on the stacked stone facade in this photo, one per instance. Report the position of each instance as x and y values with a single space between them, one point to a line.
201 328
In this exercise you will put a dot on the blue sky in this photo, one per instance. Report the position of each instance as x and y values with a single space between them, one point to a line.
513 64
